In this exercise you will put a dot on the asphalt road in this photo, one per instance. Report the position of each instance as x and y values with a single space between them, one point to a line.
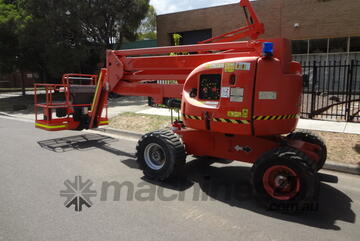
34 165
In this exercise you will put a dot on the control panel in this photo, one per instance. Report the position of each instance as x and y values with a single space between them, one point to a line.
210 86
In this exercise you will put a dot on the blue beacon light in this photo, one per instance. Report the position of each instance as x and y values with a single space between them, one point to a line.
268 49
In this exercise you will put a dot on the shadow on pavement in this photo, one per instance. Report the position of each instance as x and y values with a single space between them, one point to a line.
131 162
227 184
83 143
230 184
328 178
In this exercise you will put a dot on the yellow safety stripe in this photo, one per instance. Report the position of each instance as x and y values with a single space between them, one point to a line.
223 120
231 121
193 117
104 122
276 117
96 91
50 127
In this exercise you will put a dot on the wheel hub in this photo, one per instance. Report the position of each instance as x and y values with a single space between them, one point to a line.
154 156
281 182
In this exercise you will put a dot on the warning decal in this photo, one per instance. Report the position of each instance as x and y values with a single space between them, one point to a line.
229 67
242 66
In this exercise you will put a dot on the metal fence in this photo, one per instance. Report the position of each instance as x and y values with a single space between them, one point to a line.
332 90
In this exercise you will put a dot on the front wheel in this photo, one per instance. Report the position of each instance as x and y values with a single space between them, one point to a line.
284 180
160 154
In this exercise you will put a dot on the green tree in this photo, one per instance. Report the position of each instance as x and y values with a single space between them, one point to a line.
10 19
54 36
51 43
147 29
110 22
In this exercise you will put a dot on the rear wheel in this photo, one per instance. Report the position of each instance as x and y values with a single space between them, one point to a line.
160 154
313 139
284 180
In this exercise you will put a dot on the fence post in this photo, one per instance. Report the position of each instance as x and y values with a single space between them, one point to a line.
313 94
349 91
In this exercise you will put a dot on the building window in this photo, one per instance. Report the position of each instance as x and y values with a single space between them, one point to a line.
300 46
192 37
318 46
332 45
326 50
337 45
354 44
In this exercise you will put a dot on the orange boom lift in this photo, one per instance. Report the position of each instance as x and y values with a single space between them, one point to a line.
238 100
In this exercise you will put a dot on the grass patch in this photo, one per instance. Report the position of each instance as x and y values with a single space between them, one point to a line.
343 148
139 122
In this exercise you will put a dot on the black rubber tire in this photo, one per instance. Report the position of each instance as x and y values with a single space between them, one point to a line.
312 138
174 152
298 162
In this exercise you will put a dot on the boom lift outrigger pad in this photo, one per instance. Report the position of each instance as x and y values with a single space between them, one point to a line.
238 100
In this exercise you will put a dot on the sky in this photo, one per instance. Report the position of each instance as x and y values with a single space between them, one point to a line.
171 6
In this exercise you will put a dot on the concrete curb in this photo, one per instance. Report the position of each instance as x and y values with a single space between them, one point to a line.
329 165
340 167
125 133
8 116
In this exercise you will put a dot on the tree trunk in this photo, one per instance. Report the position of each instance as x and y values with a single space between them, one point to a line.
22 82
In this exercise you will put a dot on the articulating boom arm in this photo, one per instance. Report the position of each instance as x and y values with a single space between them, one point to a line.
253 29
137 72
130 71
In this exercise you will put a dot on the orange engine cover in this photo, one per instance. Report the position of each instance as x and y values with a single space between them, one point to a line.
252 95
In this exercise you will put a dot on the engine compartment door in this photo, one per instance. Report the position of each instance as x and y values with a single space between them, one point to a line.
219 96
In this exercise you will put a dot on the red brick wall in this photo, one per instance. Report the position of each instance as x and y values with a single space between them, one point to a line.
317 19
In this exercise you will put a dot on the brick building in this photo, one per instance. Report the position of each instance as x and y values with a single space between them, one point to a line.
320 29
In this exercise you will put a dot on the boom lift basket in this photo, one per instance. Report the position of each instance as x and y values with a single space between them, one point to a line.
68 106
